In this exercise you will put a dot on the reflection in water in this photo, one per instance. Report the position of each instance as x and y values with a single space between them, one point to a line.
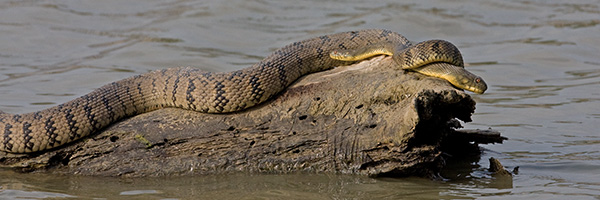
540 59
22 194
232 186
463 183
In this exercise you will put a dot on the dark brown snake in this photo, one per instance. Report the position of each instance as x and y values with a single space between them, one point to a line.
208 92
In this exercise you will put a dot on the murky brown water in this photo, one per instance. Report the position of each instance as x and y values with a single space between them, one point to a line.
541 59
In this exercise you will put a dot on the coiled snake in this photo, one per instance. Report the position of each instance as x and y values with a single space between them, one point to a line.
223 92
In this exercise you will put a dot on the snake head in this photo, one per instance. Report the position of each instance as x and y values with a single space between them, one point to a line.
475 84
457 76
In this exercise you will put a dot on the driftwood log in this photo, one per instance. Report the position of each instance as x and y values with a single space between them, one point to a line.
367 118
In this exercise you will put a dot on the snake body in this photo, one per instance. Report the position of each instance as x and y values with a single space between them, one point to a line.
186 88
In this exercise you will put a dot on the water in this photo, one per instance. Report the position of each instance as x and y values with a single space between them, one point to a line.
540 59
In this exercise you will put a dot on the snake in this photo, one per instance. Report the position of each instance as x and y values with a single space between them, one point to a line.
210 92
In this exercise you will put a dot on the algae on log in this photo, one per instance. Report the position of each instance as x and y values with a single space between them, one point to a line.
368 118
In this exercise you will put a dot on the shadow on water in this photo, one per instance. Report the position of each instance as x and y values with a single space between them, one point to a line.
540 59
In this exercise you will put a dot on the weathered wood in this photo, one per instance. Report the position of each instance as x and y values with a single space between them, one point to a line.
367 118
497 168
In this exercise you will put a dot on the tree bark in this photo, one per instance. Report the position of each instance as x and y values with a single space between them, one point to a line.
368 118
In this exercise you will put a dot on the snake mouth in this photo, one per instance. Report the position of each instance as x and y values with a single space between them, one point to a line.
478 91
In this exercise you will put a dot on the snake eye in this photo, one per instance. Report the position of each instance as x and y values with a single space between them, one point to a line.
477 80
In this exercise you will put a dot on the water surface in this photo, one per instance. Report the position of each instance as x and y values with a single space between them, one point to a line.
540 59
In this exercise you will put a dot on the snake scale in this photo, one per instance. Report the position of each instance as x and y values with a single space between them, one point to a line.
210 92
